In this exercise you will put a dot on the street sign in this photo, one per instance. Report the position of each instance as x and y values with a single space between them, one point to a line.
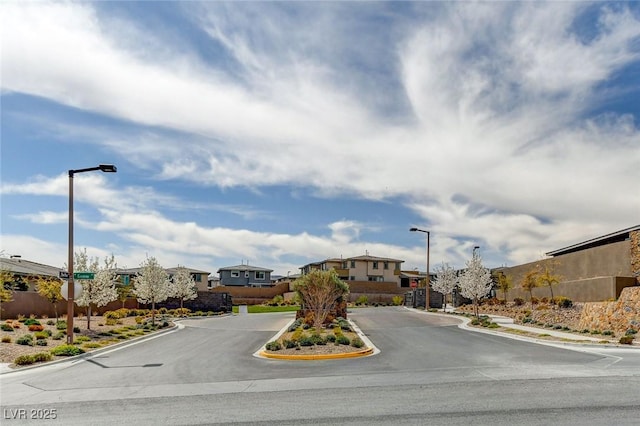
63 275
83 275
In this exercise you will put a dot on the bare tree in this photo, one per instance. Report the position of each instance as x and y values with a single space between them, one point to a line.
475 281
319 292
445 282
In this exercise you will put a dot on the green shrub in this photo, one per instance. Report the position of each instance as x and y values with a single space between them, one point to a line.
61 325
357 342
41 335
67 350
273 346
32 321
6 339
42 357
630 332
41 342
76 329
343 340
305 341
51 322
6 327
24 360
493 325
607 333
595 331
289 344
626 340
80 339
26 340
330 338
398 300
563 302
91 345
518 301
58 336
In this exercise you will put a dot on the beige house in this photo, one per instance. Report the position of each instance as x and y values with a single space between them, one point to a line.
360 268
590 271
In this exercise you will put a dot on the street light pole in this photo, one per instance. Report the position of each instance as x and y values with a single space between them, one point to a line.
427 296
107 168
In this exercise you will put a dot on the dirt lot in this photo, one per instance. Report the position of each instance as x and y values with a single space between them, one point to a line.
99 336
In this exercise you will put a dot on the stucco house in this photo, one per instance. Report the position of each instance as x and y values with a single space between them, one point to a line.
245 276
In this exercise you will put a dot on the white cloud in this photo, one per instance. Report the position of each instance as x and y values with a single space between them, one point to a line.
493 142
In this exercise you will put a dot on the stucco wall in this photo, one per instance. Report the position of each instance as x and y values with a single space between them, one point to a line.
594 274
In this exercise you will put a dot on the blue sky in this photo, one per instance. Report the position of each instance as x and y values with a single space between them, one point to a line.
285 133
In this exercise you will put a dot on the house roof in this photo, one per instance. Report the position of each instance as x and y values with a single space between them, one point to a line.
170 271
244 268
26 267
375 259
614 237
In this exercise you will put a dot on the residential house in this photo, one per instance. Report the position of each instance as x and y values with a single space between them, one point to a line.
200 277
26 273
360 268
245 276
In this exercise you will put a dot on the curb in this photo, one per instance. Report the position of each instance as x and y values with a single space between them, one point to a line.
370 350
93 352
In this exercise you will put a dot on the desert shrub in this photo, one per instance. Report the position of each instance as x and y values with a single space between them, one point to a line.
42 357
297 334
80 339
534 300
6 339
67 350
61 325
295 325
309 318
344 324
273 346
544 300
526 320
277 300
607 333
331 338
41 342
306 341
51 322
362 300
626 340
91 345
630 332
343 340
36 327
289 344
317 339
6 327
26 340
518 301
58 336
16 325
357 342
397 300
40 335
492 325
24 360
32 321
595 331
76 329
563 302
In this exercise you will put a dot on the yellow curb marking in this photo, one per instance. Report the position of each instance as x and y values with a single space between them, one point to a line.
364 352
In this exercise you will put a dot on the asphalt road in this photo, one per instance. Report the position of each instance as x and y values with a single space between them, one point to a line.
428 371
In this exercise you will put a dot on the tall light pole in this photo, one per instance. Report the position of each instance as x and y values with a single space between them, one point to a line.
107 168
427 291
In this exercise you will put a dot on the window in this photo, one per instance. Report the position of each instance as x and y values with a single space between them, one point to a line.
376 278
260 275
386 265
197 278
353 263
344 265
246 274
235 274
352 278
375 265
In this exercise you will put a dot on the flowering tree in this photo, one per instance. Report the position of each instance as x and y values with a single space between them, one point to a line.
49 288
475 282
152 285
184 286
319 292
102 288
446 280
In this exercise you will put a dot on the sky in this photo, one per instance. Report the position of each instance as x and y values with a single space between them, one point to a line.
283 133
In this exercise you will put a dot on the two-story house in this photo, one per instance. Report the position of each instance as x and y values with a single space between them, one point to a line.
245 276
360 268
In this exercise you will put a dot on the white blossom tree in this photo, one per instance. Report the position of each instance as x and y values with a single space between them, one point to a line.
475 281
152 285
445 282
102 288
184 286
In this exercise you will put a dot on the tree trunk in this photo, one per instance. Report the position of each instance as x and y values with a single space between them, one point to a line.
153 312
551 289
89 317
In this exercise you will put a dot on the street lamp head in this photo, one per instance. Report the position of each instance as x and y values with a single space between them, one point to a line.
413 229
108 168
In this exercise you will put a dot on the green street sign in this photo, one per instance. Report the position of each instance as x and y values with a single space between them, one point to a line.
83 275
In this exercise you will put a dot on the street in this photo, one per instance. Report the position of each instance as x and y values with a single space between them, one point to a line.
428 369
